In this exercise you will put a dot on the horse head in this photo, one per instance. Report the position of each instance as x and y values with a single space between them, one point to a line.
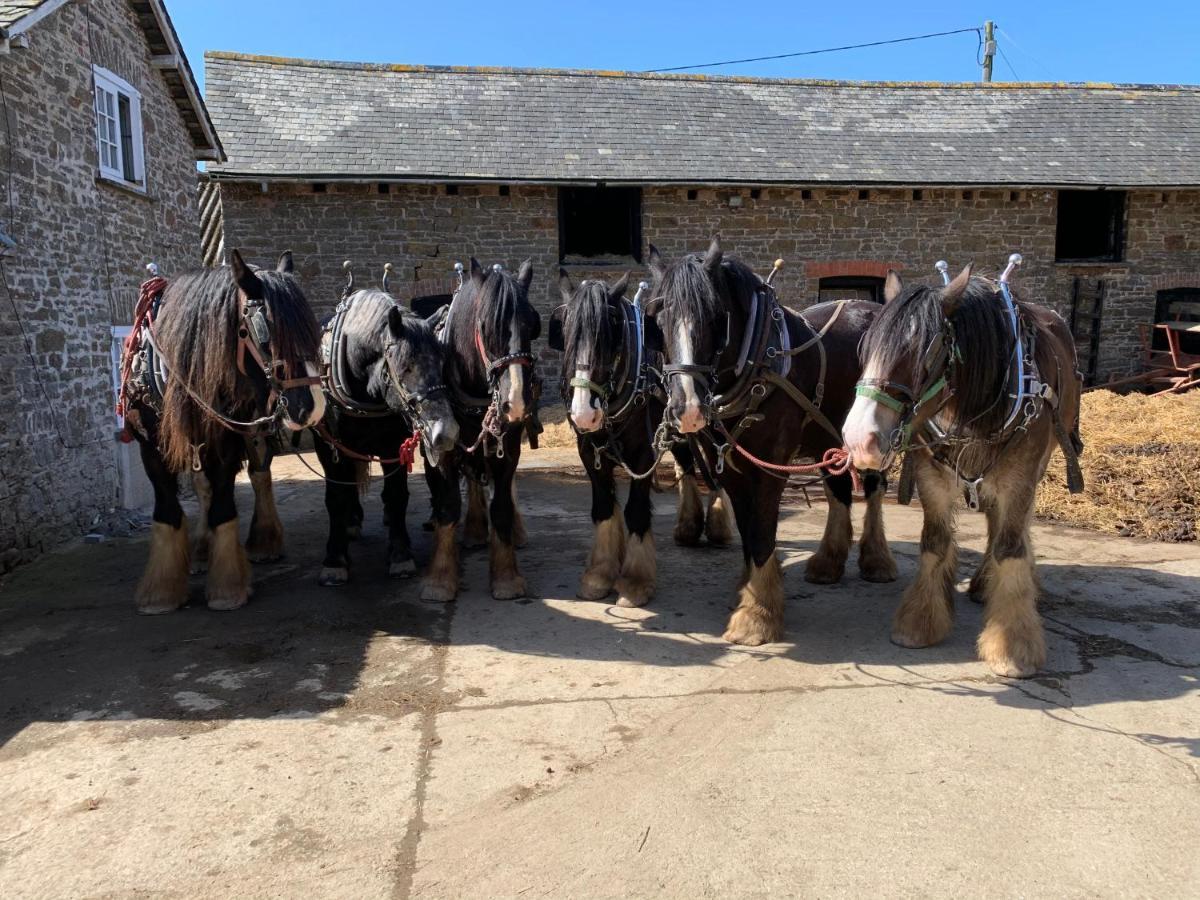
591 321
413 362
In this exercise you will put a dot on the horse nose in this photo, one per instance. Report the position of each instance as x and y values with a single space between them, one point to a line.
587 420
514 410
868 453
691 419
444 435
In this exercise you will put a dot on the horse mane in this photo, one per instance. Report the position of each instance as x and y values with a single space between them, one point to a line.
590 335
906 326
686 286
492 305
368 322
197 331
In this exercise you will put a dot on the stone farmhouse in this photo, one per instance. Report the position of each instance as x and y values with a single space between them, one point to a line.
1097 185
102 128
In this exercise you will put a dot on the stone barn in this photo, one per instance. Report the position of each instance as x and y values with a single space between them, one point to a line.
1097 185
103 124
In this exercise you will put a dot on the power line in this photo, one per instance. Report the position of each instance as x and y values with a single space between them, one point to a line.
732 62
1015 76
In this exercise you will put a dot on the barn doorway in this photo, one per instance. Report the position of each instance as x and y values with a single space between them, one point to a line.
851 287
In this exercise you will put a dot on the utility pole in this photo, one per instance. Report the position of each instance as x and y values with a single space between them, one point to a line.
989 48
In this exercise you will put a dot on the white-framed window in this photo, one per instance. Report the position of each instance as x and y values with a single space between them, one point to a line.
119 129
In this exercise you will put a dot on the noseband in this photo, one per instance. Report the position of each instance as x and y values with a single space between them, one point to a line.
256 337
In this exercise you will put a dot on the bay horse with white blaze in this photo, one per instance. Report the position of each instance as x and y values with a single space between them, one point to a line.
488 331
385 386
611 385
216 356
976 387
755 384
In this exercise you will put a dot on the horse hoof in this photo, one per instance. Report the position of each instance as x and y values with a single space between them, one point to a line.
508 588
592 587
157 606
911 641
633 593
823 571
263 556
228 600
437 591
406 568
332 576
878 573
750 627
1010 668
687 535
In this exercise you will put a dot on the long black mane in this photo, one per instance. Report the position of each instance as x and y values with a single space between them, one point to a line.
197 332
492 306
688 291
591 336
906 326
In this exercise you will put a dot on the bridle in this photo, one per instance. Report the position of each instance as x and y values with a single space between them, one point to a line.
256 337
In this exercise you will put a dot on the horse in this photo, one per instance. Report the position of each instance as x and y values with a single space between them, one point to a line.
754 385
216 354
385 391
976 389
610 357
489 331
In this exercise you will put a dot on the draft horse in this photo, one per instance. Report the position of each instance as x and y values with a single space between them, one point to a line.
489 331
216 356
385 383
611 386
756 385
976 386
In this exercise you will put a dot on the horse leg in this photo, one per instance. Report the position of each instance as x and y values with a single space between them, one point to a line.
475 528
341 497
395 501
875 561
829 562
975 590
926 614
354 525
758 618
1012 642
228 569
689 523
164 584
199 538
639 571
441 581
608 534
520 535
265 542
507 582
718 524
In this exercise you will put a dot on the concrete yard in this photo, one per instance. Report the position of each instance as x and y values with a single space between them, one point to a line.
355 742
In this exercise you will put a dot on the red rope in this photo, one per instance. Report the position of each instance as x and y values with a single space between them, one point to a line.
151 289
836 461
405 456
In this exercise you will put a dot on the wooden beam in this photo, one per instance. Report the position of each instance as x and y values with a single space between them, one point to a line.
166 61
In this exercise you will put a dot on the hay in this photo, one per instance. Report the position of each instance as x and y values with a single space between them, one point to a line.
558 431
1141 465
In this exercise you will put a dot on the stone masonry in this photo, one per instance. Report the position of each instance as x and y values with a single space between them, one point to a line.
422 229
82 245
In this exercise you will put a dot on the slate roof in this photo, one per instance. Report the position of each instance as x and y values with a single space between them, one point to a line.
12 11
326 120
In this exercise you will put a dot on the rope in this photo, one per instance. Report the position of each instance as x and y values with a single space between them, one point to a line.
836 461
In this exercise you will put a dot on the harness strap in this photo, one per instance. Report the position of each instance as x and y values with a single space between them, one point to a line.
587 384
801 399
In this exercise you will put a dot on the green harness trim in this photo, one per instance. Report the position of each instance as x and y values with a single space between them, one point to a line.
586 384
879 396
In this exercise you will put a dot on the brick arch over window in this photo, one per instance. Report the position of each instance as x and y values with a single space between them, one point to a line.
1176 280
867 268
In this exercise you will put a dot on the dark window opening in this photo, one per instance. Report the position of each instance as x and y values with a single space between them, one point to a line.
123 115
692 195
918 194
851 287
1014 196
806 195
504 190
599 221
1091 225
864 195
755 193
968 195
384 188
451 190
429 304
319 187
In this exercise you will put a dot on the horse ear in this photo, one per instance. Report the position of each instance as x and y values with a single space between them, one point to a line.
952 293
712 259
285 264
892 286
617 291
564 285
525 274
476 271
244 277
655 263
395 323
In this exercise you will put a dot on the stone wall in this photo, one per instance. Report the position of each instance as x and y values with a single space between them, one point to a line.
82 245
423 229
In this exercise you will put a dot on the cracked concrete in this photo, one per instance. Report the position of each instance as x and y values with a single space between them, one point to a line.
356 743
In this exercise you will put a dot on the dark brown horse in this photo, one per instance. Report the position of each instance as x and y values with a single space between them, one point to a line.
489 331
979 404
611 358
745 372
234 352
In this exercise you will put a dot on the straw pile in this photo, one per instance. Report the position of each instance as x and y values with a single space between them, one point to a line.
558 431
1141 465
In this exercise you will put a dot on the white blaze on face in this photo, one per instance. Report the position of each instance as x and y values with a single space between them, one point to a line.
868 427
516 392
691 419
318 410
584 413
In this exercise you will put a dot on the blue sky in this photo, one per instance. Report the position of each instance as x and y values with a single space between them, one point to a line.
1046 40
